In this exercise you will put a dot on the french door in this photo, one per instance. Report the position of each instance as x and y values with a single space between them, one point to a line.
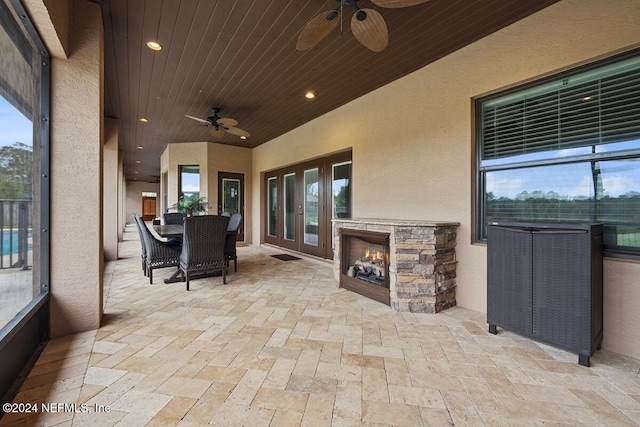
299 206
231 196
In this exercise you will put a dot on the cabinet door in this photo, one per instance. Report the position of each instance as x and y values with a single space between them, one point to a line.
509 279
562 288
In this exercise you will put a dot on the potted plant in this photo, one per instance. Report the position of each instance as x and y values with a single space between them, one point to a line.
192 204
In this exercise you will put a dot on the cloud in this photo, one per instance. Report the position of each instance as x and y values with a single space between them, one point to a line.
617 185
504 186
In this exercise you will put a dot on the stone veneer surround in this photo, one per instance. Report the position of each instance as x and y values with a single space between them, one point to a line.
422 263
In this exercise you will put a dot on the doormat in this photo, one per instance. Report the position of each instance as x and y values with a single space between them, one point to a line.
286 257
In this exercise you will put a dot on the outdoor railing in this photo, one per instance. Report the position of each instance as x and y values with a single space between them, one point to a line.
15 233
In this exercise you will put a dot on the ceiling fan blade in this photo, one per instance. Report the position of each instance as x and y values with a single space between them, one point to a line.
227 122
317 29
371 31
397 3
196 118
217 133
237 131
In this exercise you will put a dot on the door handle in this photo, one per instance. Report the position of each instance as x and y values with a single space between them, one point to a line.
300 209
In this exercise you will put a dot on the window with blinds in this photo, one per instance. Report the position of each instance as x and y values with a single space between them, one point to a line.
566 149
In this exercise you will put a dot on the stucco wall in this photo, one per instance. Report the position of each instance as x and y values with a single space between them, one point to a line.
134 197
52 18
417 132
76 177
185 153
227 158
219 158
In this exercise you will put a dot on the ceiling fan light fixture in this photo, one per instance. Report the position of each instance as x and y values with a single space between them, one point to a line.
220 125
367 25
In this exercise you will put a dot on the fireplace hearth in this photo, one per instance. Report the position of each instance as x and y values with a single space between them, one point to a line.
408 265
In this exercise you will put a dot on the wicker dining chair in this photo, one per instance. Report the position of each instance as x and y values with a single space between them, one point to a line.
230 242
158 253
143 249
173 218
203 246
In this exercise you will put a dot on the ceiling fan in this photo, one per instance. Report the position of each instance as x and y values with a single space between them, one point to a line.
220 125
367 25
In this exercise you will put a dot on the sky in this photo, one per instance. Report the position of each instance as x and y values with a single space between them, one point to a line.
569 180
14 127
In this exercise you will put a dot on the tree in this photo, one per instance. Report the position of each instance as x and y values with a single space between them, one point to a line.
16 171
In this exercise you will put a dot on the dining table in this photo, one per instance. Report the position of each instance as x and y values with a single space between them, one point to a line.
175 231
169 230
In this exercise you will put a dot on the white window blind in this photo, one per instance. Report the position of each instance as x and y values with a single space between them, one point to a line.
588 109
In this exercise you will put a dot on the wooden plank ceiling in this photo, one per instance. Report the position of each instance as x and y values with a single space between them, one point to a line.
240 56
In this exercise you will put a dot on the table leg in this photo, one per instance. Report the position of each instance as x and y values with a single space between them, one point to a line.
175 277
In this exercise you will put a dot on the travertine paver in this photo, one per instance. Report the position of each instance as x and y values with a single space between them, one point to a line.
280 345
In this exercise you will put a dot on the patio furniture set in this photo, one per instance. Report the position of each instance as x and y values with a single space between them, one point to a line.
198 246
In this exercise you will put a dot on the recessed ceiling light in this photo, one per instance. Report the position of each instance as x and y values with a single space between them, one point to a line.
136 172
243 137
153 45
309 95
139 147
144 120
587 98
138 161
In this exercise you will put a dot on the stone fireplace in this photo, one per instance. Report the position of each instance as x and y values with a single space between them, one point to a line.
408 265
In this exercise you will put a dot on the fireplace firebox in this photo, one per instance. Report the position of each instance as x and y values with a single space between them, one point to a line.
365 264
409 265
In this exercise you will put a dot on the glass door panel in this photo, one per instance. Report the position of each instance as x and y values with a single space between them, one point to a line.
272 207
231 195
311 204
290 206
340 193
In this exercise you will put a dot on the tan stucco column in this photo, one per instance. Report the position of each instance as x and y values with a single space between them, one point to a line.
110 212
76 175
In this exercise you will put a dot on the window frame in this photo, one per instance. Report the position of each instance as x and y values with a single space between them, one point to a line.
182 169
480 172
23 338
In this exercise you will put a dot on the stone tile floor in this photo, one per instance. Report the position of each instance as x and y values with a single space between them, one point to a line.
280 345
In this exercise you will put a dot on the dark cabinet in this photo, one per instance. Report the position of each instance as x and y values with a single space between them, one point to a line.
544 281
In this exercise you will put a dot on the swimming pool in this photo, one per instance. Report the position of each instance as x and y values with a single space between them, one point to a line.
10 241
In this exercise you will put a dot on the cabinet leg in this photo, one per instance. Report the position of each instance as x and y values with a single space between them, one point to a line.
583 359
493 329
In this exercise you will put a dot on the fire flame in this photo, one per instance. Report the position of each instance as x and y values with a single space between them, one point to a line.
373 255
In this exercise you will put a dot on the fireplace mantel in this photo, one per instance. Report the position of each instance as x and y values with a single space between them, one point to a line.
422 260
395 222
